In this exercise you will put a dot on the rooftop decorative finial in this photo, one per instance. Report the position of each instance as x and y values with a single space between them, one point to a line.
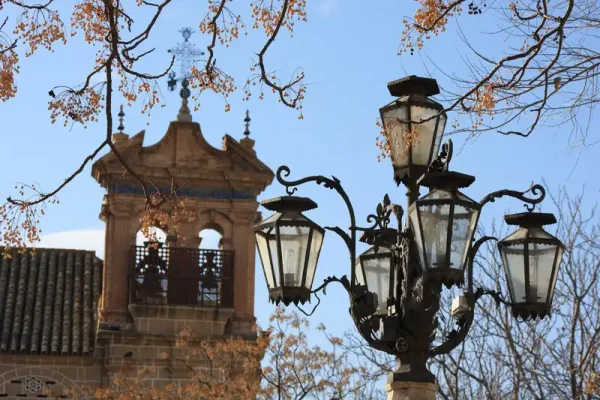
186 33
185 53
184 112
247 123
246 141
121 115
120 136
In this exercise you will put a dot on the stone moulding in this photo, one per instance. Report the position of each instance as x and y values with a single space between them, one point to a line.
222 194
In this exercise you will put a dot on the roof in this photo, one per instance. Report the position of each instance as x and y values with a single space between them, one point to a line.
48 301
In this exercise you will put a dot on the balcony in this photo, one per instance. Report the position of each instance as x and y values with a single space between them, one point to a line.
181 276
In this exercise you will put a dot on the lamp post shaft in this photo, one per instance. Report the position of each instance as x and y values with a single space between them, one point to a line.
412 189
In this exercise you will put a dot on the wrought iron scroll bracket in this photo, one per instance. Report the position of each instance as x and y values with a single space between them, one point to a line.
330 183
535 189
465 321
323 287
480 292
347 239
456 337
381 219
471 259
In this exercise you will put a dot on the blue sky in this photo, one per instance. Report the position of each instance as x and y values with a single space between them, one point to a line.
348 51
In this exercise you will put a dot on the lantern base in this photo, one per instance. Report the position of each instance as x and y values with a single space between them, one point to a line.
407 175
446 276
289 294
530 311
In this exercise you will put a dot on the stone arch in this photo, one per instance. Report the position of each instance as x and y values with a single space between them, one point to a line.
210 237
161 233
48 378
217 221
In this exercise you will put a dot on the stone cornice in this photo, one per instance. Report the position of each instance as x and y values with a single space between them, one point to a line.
200 193
238 183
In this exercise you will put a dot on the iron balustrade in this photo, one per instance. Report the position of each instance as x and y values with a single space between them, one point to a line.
181 276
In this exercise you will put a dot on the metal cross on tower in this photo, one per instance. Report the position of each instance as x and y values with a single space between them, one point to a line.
184 53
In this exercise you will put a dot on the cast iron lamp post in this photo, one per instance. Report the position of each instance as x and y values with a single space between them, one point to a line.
395 286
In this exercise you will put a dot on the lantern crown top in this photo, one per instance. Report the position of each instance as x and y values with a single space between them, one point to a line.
446 180
530 219
289 203
413 85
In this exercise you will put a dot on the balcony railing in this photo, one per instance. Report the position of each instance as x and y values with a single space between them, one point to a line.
181 276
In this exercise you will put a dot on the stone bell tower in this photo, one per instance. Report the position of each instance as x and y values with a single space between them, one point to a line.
153 289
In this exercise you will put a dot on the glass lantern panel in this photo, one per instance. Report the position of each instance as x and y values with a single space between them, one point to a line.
438 194
434 222
294 243
462 197
513 259
313 257
272 218
519 234
439 134
541 265
263 251
293 216
358 271
423 135
377 274
463 224
272 245
395 131
539 233
557 261
416 228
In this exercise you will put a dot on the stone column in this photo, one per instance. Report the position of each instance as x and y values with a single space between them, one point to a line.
187 236
411 391
242 239
120 236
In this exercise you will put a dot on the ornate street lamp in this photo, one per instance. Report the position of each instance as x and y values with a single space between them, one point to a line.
395 286
531 257
289 245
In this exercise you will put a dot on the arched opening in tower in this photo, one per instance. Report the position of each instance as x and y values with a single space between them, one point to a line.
210 239
151 261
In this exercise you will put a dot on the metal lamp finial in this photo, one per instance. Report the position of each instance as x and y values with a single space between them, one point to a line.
121 114
247 123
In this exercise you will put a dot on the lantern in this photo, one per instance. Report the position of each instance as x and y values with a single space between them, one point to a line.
289 245
413 145
531 258
443 223
374 269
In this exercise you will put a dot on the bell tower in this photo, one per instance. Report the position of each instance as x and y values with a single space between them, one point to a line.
151 288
